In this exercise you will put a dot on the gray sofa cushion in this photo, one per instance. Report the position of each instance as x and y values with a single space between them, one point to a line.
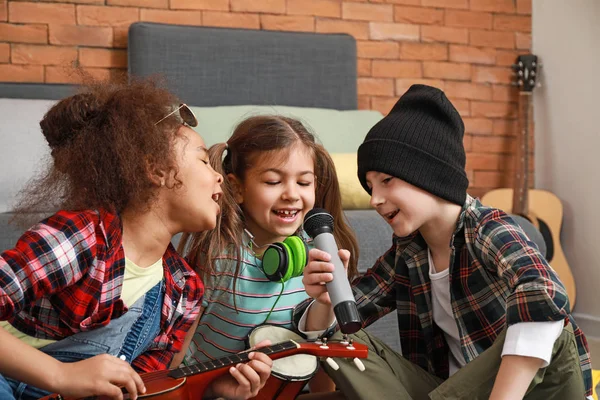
375 238
11 231
215 66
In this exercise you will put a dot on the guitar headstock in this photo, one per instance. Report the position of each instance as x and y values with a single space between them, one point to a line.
526 69
334 349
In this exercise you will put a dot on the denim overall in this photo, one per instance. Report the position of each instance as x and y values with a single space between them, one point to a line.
127 337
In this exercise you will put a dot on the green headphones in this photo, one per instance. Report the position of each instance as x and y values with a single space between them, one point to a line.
284 260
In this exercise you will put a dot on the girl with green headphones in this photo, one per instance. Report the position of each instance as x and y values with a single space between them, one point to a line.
252 264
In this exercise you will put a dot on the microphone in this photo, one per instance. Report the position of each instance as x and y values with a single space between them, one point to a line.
318 223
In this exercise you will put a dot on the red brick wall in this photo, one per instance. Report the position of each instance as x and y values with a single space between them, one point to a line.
465 47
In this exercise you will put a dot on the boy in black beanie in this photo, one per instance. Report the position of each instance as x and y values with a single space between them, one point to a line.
481 314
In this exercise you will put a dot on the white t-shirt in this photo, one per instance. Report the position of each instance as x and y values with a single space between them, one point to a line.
530 339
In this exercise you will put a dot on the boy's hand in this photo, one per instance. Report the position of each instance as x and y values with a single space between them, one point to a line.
244 380
102 375
318 272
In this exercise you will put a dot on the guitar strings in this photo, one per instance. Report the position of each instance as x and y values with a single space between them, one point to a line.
161 375
158 375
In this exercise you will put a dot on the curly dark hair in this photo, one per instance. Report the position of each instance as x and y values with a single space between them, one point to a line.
104 141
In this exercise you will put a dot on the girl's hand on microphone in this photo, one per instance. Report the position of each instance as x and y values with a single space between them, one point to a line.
318 272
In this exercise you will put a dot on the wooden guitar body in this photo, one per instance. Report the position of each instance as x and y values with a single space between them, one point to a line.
541 209
160 386
189 388
545 212
178 389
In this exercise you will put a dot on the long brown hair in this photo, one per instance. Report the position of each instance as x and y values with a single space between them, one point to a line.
254 137
102 142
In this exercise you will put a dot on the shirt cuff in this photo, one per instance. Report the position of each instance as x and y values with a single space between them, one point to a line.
533 339
311 335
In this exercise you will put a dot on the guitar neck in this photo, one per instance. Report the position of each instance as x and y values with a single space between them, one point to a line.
520 204
225 362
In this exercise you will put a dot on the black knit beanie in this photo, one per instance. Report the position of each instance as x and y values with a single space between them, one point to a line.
421 142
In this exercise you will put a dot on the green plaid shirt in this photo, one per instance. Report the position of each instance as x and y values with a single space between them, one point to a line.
497 278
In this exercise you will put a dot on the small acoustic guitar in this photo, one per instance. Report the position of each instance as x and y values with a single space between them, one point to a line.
190 382
539 212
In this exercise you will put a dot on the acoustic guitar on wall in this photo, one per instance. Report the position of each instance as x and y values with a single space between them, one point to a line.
539 212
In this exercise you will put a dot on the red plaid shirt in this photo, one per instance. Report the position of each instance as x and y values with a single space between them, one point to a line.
65 276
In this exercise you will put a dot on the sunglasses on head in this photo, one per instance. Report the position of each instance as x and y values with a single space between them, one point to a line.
185 113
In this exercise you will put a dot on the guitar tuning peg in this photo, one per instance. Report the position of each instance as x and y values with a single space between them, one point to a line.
350 346
332 363
359 364
344 339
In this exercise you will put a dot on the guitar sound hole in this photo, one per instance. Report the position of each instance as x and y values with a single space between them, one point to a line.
532 232
547 235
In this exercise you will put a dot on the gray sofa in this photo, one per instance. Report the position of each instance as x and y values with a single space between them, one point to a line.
210 67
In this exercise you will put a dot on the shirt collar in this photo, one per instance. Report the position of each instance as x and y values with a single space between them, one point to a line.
469 204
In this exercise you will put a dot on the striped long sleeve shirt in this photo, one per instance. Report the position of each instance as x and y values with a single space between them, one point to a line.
230 314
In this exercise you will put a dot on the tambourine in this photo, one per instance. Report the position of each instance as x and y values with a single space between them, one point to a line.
299 367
